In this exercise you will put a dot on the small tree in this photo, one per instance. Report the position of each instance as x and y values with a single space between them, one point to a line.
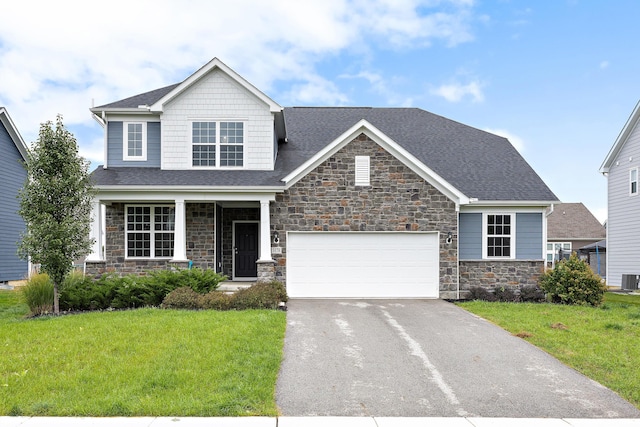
55 203
573 282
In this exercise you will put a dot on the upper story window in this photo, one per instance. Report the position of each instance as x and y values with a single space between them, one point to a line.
498 236
135 141
217 143
633 181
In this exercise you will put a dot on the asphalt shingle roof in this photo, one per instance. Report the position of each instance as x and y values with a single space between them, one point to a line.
573 221
479 164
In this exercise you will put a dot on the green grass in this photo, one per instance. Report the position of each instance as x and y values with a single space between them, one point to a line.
140 362
603 343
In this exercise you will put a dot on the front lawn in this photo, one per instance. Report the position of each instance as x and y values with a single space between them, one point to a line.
603 343
148 362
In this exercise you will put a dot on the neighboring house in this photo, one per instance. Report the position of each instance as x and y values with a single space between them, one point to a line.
621 167
570 226
13 152
334 202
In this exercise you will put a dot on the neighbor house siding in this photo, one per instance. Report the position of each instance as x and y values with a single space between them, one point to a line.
529 234
115 146
217 97
12 176
470 236
623 223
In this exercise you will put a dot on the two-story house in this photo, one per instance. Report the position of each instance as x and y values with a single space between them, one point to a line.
334 202
621 167
13 152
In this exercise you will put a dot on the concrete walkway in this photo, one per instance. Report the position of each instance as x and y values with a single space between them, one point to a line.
313 422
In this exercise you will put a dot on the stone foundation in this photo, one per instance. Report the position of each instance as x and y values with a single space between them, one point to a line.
492 274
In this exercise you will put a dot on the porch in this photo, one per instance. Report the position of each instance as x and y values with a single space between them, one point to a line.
232 237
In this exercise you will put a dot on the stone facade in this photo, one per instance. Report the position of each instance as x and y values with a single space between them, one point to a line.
326 199
200 219
493 274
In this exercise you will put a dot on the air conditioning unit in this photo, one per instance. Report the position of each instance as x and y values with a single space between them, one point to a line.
629 282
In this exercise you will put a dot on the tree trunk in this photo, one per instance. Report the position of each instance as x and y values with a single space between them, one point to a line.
56 300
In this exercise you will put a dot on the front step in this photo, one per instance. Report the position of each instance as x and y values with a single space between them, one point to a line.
230 287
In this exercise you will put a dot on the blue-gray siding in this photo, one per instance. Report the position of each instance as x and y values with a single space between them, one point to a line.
470 236
12 177
115 146
528 236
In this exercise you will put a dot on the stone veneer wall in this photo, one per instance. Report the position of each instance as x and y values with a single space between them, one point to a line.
493 274
201 245
327 199
200 219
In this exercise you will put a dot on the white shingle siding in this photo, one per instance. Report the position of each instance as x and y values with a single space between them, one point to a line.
216 96
623 223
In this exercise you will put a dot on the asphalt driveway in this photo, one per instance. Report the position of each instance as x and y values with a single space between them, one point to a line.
424 358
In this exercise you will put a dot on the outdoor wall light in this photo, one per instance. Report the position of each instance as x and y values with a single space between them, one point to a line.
276 237
449 238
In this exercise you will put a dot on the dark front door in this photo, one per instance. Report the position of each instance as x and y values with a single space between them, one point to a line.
246 249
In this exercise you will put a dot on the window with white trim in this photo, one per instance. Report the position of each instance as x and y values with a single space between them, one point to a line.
134 138
363 170
557 251
150 231
217 143
633 181
499 232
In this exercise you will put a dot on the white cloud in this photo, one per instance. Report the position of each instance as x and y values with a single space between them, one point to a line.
604 64
455 92
55 57
515 140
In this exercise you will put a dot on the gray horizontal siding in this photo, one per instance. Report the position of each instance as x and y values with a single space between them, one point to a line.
529 242
12 176
623 226
529 236
470 236
115 146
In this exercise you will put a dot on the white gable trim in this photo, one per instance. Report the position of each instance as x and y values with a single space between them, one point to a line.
215 63
389 145
621 140
13 133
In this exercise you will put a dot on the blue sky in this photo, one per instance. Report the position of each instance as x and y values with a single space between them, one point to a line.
558 78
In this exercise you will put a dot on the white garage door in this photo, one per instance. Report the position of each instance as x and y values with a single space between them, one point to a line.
362 265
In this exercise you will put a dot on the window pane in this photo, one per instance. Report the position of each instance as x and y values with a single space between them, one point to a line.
134 139
164 245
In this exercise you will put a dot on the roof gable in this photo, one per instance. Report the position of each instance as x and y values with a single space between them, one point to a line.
364 127
478 164
624 135
214 64
13 133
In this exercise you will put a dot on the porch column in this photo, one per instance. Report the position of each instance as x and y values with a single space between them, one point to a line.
265 231
180 233
96 231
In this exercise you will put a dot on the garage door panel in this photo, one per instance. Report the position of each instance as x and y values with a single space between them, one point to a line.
362 265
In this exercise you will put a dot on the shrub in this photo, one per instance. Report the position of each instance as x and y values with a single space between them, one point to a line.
182 298
261 295
481 294
38 294
573 282
80 292
216 300
531 293
200 280
505 294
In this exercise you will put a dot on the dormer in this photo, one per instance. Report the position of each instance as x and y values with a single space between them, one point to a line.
214 119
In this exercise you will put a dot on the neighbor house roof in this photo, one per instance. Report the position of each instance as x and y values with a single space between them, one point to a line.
573 221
